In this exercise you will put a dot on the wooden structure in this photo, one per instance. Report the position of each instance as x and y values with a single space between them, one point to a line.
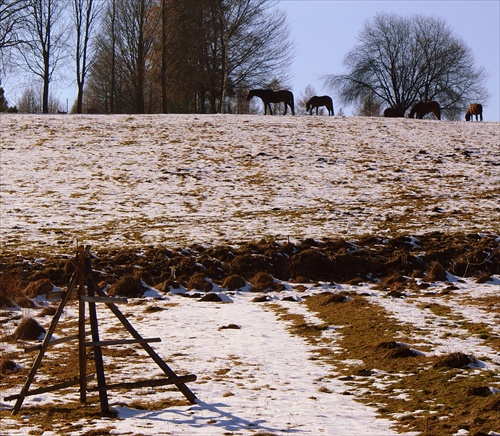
84 285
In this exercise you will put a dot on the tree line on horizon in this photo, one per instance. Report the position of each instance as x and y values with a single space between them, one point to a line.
191 56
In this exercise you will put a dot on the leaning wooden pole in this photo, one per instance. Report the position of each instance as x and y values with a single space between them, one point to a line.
190 396
45 344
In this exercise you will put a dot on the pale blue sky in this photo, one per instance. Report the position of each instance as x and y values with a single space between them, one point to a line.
324 31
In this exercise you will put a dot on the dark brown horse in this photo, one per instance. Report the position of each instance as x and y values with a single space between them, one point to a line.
269 96
425 107
393 112
317 102
474 109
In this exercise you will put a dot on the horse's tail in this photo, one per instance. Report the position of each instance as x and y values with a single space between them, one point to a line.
438 111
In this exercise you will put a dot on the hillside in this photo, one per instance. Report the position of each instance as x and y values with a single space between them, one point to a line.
342 274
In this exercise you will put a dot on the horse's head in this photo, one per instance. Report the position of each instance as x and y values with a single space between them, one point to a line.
250 94
308 105
467 116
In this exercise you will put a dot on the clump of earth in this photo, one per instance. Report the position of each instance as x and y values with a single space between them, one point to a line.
392 263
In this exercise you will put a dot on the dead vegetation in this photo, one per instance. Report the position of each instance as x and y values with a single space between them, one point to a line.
391 263
395 375
434 395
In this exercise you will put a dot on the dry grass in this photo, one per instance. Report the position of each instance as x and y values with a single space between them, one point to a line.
433 395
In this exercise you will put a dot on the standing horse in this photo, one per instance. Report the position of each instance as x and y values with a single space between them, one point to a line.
425 107
269 96
474 109
317 102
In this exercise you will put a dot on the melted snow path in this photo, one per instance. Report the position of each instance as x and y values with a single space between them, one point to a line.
268 384
251 380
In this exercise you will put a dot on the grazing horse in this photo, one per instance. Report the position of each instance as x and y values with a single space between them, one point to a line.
393 112
269 96
425 107
317 102
474 109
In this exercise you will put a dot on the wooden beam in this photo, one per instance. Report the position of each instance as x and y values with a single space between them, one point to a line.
191 397
46 389
107 300
121 342
148 383
54 342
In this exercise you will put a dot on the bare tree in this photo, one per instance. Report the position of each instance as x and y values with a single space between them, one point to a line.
189 55
45 36
12 18
255 44
31 99
399 61
304 98
85 16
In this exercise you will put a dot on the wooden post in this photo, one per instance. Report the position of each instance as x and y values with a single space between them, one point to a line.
82 351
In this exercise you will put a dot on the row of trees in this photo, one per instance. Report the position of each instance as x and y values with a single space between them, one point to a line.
146 56
398 61
150 56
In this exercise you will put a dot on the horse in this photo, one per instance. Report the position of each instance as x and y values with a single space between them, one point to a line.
425 107
474 109
269 96
393 112
317 102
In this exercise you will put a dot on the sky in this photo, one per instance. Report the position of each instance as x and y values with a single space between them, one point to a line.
324 31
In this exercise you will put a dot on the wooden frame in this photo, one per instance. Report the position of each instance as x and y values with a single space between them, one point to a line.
91 294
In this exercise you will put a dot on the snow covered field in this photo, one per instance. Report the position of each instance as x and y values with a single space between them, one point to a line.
182 179
178 179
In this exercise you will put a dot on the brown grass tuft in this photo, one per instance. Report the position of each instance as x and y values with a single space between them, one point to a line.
28 329
11 288
436 273
234 282
199 282
454 360
127 286
262 282
39 287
